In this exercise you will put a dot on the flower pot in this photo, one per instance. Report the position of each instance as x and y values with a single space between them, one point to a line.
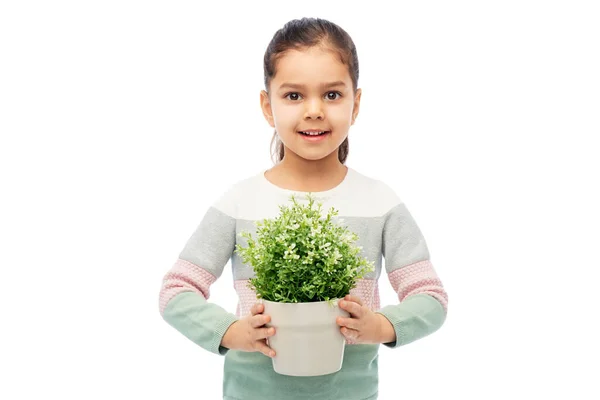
307 339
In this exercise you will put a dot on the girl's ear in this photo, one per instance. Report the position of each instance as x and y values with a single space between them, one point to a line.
356 105
265 105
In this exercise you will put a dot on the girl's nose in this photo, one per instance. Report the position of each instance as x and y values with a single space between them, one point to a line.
314 110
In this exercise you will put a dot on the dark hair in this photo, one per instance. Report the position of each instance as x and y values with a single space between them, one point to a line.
304 33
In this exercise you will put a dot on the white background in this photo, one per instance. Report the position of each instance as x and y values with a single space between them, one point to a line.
122 121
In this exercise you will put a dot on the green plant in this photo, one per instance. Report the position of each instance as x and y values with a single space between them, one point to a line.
302 257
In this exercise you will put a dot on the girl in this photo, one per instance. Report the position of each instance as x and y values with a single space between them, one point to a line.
311 99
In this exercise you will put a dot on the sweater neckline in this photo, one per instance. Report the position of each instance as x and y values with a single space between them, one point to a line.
320 194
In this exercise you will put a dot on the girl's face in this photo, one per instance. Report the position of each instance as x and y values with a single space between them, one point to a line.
311 90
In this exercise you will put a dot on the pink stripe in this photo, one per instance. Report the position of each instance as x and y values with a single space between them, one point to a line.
418 278
184 277
368 291
247 298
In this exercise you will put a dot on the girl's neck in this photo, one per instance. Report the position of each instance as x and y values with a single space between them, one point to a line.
307 176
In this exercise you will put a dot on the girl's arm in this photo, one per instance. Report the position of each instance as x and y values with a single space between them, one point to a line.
185 287
423 302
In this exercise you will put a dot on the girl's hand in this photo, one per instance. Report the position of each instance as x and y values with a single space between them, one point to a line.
364 325
249 334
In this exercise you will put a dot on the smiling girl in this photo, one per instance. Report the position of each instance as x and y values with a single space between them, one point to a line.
311 98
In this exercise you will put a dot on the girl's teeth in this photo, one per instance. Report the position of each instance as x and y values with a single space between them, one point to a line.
313 133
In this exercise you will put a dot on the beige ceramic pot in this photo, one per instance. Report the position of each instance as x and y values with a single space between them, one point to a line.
307 341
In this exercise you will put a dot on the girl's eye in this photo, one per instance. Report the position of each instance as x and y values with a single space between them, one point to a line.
334 93
295 96
292 94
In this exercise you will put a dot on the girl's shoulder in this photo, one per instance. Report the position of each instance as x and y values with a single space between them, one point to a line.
227 201
374 187
239 189
366 196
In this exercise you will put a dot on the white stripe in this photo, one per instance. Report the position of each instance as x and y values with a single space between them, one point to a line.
255 198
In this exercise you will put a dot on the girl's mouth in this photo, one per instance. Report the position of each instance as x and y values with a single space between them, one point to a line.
314 136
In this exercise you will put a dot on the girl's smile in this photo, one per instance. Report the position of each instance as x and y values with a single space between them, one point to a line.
313 135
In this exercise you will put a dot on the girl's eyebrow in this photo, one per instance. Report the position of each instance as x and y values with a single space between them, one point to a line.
324 85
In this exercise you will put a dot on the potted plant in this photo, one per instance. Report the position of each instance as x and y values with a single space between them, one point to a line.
304 264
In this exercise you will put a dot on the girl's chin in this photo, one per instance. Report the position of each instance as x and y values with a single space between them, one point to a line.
315 155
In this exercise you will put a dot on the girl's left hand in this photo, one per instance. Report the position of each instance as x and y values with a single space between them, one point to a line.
364 325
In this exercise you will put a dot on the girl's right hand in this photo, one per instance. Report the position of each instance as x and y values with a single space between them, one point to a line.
249 334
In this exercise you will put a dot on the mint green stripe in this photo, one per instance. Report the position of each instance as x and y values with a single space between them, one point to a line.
415 317
251 376
202 322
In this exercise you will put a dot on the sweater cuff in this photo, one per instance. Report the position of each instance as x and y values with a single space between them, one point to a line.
220 330
388 313
414 318
202 322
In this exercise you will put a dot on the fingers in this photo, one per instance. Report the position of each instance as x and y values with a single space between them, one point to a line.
349 333
352 307
259 320
261 346
263 333
257 308
259 335
351 323
354 299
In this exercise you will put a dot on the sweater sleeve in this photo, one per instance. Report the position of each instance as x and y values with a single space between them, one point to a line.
423 302
185 290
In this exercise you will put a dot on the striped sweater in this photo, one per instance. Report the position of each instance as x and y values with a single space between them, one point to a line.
388 236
